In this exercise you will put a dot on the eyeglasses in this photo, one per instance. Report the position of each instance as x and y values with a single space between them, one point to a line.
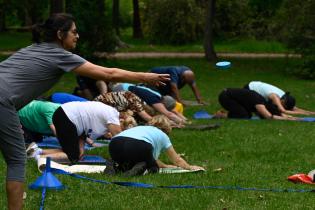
74 32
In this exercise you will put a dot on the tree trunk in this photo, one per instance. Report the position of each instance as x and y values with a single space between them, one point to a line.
208 39
2 17
116 16
56 6
137 29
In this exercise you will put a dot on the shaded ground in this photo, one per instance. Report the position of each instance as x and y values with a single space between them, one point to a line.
130 55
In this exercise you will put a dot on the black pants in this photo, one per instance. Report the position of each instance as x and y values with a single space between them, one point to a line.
234 108
127 152
67 135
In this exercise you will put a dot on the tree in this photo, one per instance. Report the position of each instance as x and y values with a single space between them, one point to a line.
137 29
95 29
56 6
2 15
208 39
115 17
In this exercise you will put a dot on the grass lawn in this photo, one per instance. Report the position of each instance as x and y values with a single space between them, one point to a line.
257 153
16 40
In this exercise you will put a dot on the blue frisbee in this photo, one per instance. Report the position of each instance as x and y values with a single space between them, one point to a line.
223 64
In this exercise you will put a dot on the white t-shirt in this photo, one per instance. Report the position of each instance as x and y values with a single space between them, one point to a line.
265 89
91 117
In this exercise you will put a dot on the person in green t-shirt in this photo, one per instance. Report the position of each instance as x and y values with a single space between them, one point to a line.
36 117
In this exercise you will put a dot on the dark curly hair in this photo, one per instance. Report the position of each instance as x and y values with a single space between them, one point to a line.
47 31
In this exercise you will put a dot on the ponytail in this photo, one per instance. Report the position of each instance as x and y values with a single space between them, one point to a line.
37 30
47 31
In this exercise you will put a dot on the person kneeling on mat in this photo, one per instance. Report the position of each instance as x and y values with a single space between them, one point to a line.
241 103
77 123
136 150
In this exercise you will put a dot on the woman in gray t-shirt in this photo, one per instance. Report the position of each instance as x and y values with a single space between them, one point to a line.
32 71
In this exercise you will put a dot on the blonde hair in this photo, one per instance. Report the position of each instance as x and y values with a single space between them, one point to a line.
127 120
161 122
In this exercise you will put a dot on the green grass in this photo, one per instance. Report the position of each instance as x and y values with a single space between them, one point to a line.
16 40
237 45
258 153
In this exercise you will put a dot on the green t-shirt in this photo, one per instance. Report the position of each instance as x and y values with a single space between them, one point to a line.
37 116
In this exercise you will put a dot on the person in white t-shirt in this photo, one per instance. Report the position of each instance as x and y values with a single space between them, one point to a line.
77 122
283 100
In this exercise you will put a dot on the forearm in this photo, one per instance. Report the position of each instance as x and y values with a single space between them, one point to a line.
180 162
196 93
144 115
53 129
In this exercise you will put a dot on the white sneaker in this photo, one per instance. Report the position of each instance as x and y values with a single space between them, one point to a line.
31 148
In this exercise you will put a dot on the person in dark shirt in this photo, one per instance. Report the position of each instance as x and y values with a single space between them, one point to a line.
180 76
89 88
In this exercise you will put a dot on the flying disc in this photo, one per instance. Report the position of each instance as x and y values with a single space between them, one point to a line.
223 64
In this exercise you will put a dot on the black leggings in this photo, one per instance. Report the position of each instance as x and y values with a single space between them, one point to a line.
67 135
127 152
234 108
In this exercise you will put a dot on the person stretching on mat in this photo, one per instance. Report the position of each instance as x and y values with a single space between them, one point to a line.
283 100
180 76
77 122
122 101
162 104
32 71
36 120
137 149
241 103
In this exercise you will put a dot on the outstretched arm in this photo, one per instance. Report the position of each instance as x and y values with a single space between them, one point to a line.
175 91
276 100
177 160
302 111
262 110
196 92
119 75
170 115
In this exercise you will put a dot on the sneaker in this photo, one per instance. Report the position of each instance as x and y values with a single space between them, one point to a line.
109 170
30 149
136 170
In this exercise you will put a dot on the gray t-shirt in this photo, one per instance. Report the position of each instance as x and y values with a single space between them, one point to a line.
33 70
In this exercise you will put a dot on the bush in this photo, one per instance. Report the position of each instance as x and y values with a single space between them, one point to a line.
173 22
298 32
94 27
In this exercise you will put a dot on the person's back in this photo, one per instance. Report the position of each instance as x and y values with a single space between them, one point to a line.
150 134
247 98
122 101
175 73
265 89
44 63
91 117
62 98
37 116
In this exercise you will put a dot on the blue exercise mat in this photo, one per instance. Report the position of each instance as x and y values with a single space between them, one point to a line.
202 115
308 119
86 160
52 142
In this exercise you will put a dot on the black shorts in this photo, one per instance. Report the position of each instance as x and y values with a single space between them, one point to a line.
127 152
67 135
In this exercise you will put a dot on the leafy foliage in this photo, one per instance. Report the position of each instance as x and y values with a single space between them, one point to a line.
94 27
298 32
173 22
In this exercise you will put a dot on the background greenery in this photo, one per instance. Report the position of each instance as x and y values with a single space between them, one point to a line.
260 153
